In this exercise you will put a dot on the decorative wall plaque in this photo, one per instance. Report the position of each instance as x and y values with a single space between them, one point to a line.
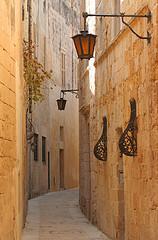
100 149
128 140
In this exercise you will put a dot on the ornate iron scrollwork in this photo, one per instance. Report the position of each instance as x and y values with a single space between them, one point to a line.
100 149
128 140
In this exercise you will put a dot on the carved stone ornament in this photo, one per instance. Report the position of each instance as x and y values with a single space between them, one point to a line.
128 140
100 149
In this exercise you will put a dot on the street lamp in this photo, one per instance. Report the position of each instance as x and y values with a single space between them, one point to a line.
85 42
61 102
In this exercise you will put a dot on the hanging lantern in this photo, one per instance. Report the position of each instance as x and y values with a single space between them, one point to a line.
84 43
61 103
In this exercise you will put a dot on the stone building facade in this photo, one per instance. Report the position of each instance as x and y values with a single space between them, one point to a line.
12 122
120 195
53 24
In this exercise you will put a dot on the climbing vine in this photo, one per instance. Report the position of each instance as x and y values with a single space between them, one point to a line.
35 74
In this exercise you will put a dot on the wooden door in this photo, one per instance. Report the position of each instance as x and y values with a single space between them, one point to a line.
61 156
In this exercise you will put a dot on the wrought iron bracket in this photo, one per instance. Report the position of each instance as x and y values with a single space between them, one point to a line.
128 140
100 149
122 16
73 91
148 37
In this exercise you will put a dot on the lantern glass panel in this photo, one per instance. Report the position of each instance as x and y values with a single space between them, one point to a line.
92 44
85 44
77 44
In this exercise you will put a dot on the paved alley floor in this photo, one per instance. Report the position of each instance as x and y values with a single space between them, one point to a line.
56 216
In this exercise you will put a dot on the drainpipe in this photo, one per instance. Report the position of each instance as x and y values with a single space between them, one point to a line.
29 7
29 112
72 46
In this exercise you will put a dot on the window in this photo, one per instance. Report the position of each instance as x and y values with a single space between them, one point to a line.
44 149
76 74
23 13
116 21
63 68
36 147
35 38
44 49
61 133
44 6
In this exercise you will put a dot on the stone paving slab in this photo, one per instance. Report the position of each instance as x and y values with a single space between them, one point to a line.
56 216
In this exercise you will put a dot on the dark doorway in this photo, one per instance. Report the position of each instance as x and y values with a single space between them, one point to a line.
49 173
61 168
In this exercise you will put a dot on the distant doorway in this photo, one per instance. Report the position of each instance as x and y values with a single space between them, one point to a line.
49 172
61 157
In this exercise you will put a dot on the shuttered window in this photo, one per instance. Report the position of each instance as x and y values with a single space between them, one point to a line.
36 147
43 149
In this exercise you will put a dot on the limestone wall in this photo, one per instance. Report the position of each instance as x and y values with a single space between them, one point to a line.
64 20
12 133
124 190
53 25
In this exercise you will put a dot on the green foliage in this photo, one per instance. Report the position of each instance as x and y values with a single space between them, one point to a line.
34 74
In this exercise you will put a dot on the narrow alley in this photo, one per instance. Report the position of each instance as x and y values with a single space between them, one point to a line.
78 120
57 216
